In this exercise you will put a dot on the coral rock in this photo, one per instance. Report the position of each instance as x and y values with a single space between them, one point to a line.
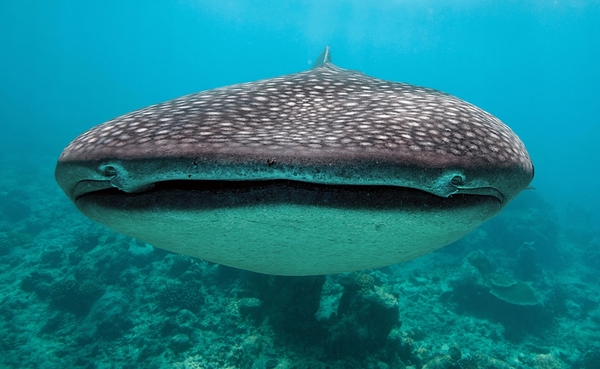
512 290
363 322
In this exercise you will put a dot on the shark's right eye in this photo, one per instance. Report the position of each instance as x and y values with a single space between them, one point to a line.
456 180
109 171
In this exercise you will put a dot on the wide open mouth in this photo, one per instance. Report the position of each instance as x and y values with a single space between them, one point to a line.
205 195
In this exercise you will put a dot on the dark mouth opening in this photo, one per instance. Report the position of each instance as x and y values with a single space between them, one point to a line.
200 195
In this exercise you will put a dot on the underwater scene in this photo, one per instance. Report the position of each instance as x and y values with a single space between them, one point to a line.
332 209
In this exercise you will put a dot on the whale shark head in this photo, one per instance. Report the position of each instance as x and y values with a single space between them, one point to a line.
323 171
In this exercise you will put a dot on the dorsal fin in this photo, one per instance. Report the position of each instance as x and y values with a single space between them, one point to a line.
324 58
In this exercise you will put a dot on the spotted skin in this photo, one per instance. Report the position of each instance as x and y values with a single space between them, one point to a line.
318 115
318 172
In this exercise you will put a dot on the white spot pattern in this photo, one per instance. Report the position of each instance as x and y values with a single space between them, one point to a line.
313 113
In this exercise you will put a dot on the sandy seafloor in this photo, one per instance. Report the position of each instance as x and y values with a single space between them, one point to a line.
76 295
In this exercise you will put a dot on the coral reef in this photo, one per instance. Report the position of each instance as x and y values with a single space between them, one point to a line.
176 296
69 294
365 317
12 206
546 361
290 303
511 290
591 359
498 297
52 254
5 244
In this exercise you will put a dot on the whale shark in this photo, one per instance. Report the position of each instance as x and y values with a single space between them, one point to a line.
322 171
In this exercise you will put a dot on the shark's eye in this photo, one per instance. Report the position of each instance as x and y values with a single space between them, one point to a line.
109 171
457 180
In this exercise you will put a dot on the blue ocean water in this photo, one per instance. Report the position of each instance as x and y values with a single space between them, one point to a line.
66 66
